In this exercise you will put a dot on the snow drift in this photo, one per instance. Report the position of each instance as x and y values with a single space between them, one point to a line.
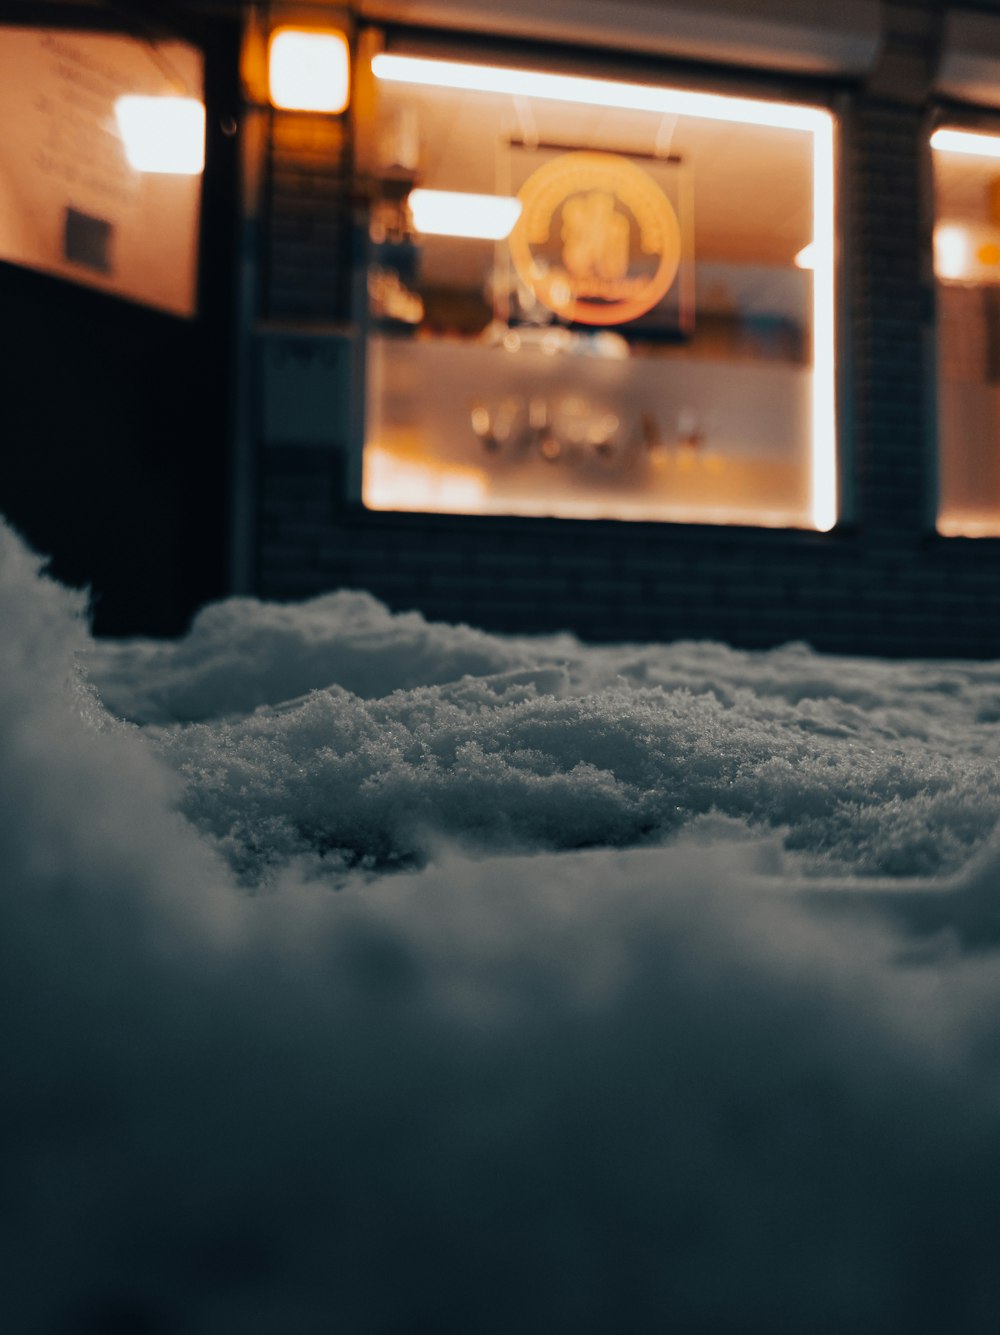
490 984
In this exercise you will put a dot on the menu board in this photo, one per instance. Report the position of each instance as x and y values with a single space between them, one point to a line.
70 203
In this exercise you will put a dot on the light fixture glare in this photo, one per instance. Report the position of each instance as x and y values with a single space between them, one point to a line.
162 134
309 70
966 141
454 213
459 75
824 500
951 251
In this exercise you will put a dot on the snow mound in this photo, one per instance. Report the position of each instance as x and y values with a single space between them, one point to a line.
241 653
514 762
603 1090
338 731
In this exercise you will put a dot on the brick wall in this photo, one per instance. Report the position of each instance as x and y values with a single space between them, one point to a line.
883 583
307 253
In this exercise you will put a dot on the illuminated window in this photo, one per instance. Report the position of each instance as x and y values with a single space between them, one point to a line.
967 265
592 299
101 161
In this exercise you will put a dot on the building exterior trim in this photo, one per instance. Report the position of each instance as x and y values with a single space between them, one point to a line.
797 36
970 63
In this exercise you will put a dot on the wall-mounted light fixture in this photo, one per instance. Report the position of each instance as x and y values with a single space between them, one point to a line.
309 70
162 134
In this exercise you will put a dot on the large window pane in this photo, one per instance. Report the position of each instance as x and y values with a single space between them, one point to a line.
598 300
967 264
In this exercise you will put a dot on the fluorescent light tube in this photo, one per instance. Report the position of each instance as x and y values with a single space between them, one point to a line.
454 213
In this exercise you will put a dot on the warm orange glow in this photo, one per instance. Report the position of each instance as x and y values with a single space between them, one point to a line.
465 441
309 70
820 509
586 185
397 482
163 134
968 526
967 265
403 474
967 252
950 251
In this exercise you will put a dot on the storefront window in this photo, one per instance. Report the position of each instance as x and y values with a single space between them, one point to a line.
967 265
101 159
592 299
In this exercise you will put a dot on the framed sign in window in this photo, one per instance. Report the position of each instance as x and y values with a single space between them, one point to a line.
603 240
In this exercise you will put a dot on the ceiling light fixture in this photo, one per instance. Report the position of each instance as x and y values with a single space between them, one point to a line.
454 213
966 141
162 134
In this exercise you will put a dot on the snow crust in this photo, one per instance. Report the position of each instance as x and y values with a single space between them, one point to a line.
490 984
402 731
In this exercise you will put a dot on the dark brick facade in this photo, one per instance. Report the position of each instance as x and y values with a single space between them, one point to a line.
882 583
307 259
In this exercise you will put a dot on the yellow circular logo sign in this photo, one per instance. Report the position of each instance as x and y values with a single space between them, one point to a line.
597 241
